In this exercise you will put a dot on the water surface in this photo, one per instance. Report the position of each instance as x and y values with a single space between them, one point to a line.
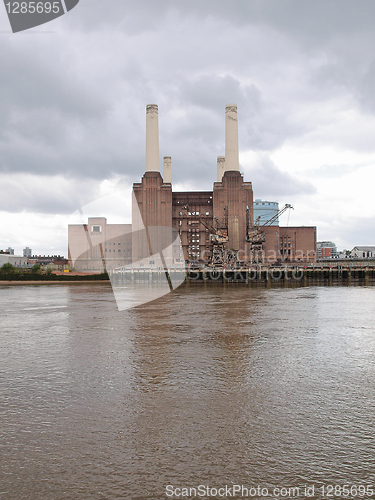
207 385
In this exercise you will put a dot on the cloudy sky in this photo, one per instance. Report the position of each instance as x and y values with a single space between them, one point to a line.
73 94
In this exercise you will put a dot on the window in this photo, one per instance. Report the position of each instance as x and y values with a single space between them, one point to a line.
96 229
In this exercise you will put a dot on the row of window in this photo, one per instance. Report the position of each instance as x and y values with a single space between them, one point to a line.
193 213
192 202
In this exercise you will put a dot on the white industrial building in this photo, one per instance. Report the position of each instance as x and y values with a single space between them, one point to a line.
15 260
363 252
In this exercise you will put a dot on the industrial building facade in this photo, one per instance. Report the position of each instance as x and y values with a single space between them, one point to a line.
97 246
200 218
228 208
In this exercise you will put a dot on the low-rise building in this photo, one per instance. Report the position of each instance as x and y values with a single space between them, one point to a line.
45 260
15 260
363 252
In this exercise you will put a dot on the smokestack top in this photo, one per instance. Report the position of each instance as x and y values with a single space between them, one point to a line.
151 108
220 167
231 107
167 170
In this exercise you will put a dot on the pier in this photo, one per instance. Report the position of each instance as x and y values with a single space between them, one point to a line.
258 275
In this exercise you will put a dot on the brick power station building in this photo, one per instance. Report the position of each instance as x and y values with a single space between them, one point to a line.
227 210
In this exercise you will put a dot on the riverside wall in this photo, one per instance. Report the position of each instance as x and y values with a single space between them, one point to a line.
258 275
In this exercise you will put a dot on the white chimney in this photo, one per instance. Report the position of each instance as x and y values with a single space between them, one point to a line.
167 169
220 167
231 138
152 138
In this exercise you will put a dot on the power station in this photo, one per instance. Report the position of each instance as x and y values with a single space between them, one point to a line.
216 228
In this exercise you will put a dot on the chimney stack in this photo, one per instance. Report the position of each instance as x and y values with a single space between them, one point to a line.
220 167
231 138
167 170
152 138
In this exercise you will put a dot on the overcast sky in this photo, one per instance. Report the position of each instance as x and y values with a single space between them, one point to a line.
73 94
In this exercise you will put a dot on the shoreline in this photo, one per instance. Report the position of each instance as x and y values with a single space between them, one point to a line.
54 282
251 277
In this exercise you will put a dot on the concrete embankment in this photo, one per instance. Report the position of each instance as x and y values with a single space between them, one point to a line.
60 282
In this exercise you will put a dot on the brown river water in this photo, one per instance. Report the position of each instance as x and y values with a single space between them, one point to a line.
207 388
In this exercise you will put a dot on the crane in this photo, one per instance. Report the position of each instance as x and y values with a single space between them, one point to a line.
255 234
217 237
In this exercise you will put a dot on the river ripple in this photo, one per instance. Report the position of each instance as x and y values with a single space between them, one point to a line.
207 385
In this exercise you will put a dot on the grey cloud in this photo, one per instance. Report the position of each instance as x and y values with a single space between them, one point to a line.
348 232
329 78
331 171
43 111
360 230
269 130
367 90
135 17
37 82
77 107
75 151
262 125
45 194
314 22
211 91
269 182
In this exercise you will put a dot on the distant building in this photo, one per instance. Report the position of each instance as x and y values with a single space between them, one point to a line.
363 252
343 254
98 245
15 260
326 250
10 251
27 252
44 260
264 211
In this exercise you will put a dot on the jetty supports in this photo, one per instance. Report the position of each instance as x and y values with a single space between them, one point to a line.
258 275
